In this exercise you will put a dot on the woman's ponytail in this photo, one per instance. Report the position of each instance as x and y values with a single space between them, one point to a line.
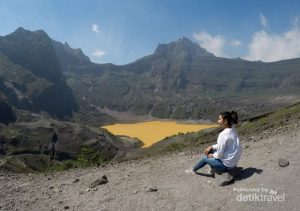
234 117
231 117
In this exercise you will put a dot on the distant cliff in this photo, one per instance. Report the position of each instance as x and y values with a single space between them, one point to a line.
181 80
30 74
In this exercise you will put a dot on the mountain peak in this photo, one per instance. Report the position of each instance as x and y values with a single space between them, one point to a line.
185 40
20 29
66 44
182 45
25 48
20 33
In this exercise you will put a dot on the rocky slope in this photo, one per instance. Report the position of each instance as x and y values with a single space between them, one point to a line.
6 113
160 183
26 147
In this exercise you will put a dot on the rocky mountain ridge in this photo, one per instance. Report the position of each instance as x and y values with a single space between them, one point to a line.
31 77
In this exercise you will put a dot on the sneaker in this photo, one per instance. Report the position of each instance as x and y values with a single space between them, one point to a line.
189 171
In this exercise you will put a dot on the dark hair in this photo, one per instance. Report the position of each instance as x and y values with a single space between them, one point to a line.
231 117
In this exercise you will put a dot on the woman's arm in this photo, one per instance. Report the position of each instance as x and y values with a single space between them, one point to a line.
210 148
210 156
207 150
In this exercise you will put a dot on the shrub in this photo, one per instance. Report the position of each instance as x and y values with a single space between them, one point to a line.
88 156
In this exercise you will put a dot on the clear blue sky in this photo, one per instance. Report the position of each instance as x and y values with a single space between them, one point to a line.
121 31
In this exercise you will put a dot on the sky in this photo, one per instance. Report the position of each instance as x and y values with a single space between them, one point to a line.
122 31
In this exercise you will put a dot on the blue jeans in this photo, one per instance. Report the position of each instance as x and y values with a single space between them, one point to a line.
214 163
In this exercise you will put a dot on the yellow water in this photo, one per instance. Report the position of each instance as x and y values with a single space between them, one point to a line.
154 131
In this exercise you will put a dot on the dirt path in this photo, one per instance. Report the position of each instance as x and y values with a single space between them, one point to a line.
128 181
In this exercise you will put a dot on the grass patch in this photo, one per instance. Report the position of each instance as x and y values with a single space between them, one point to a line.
273 120
175 147
56 166
87 156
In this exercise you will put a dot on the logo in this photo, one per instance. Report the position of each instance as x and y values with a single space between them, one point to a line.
260 194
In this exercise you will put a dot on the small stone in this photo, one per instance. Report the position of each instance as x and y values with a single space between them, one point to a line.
51 187
76 180
66 207
151 189
282 162
101 181
87 190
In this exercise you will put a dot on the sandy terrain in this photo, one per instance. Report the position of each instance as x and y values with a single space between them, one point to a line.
176 190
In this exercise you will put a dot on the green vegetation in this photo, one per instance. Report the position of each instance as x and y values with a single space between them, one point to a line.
55 166
279 118
89 156
174 147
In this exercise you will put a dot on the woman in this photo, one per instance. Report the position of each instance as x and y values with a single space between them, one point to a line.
224 155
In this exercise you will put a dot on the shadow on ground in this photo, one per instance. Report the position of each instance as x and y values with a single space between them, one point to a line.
238 174
247 172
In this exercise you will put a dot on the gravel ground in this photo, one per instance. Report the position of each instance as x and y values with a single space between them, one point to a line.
160 183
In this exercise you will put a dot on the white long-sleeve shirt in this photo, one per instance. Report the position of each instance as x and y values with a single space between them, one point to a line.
228 147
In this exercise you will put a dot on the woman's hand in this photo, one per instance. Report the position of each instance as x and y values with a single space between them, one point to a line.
207 150
210 156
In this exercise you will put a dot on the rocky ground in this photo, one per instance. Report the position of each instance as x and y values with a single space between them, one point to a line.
160 183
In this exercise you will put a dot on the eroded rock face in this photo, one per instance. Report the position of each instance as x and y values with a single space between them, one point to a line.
6 113
30 75
25 163
29 143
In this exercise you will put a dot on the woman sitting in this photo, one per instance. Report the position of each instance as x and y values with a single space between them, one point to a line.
224 155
